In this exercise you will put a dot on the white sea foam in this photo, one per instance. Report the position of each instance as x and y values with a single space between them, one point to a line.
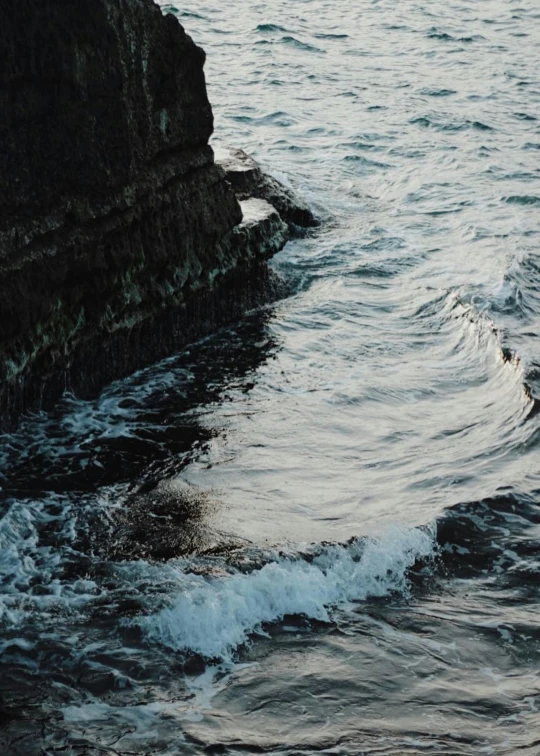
31 569
213 617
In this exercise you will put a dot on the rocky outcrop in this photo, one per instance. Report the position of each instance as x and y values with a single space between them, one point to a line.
248 180
120 237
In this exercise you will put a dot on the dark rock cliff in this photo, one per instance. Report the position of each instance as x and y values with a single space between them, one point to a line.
120 237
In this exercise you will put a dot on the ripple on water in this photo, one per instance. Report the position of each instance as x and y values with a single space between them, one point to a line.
522 199
298 44
270 28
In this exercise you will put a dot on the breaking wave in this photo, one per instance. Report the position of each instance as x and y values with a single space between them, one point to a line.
213 617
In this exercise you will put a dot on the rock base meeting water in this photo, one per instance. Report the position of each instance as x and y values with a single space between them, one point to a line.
121 239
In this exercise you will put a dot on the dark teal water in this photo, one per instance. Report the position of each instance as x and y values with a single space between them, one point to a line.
318 531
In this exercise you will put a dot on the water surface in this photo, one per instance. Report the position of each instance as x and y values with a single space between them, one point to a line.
317 531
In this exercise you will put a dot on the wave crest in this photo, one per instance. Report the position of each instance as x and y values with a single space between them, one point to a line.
213 617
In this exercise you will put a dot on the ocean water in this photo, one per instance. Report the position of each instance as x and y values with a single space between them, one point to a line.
317 531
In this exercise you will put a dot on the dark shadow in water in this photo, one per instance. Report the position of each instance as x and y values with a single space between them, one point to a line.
134 440
140 429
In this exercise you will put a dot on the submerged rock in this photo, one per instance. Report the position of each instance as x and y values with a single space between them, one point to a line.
120 237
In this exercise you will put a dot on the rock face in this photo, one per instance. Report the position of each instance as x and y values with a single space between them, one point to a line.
120 237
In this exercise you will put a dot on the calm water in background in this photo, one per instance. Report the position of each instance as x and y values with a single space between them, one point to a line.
361 540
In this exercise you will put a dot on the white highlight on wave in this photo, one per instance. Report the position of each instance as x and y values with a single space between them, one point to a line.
31 572
212 617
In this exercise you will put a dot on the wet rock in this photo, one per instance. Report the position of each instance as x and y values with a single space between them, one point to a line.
120 238
164 520
248 180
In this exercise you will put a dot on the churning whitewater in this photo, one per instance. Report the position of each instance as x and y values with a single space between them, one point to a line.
317 530
214 618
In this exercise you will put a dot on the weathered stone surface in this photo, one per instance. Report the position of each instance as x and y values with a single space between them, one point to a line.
92 92
120 239
248 180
